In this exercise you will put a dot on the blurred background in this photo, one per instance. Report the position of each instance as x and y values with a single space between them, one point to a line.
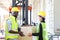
51 7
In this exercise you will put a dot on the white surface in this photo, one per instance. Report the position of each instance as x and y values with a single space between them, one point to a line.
2 35
57 16
26 30
2 13
50 15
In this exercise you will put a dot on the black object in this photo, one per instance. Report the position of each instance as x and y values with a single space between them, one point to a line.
13 3
34 24
40 32
43 19
19 29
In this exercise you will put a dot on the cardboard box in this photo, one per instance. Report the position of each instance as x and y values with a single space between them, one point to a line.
26 30
25 38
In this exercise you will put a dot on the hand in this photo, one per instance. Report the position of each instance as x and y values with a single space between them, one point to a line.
29 34
21 34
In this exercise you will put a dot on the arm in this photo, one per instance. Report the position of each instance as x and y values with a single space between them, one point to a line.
35 34
9 27
12 31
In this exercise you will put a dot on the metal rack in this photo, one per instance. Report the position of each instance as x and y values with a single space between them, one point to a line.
51 37
25 9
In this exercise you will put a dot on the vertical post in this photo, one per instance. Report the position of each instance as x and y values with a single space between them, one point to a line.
13 3
41 4
26 12
30 17
51 37
23 9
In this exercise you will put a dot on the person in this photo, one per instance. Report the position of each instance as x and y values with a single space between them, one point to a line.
12 29
41 32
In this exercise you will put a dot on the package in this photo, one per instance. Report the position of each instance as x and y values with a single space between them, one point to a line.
26 30
25 38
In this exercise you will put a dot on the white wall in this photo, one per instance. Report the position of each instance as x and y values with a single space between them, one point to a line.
36 5
49 8
57 16
3 13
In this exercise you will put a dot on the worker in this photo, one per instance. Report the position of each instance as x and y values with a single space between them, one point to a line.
41 32
12 29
